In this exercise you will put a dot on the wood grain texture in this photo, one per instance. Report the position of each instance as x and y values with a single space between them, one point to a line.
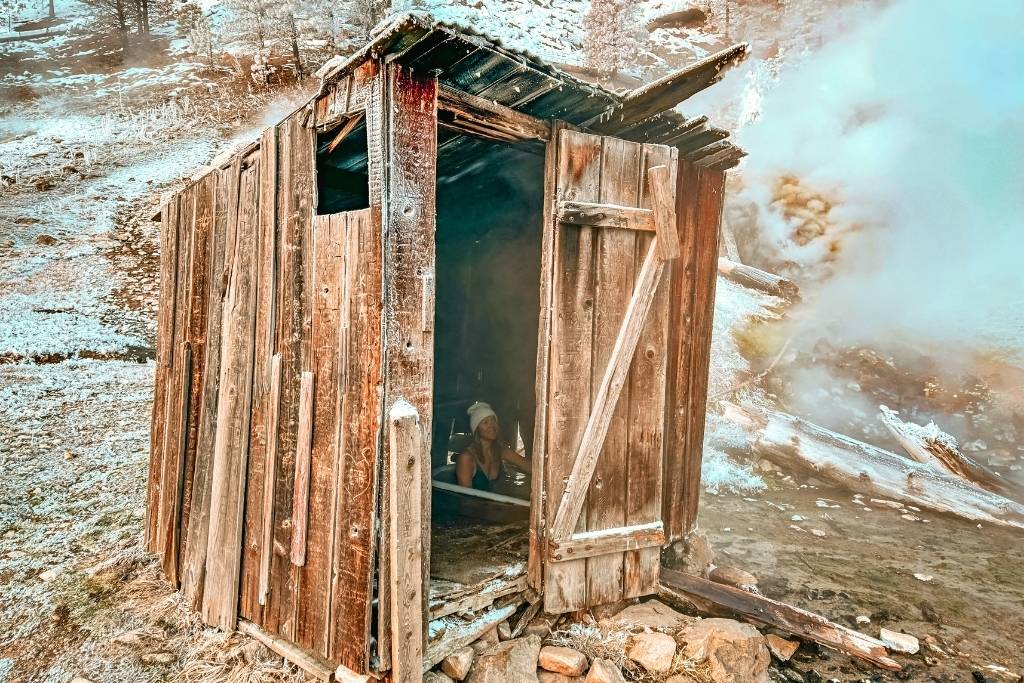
647 390
606 214
269 484
535 568
225 214
262 435
611 542
231 443
405 543
569 381
303 456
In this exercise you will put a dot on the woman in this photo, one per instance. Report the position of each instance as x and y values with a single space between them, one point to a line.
482 462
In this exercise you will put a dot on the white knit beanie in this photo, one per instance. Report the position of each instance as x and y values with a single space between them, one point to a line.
477 412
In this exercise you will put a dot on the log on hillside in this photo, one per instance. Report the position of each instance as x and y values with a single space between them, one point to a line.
758 279
797 444
932 446
677 585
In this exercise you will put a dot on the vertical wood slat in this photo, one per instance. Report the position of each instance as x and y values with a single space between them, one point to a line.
164 367
647 382
176 403
303 456
615 270
405 541
224 220
262 434
404 145
710 191
359 430
569 385
318 540
231 443
199 293
269 483
535 573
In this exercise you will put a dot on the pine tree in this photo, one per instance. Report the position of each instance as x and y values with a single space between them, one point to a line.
611 37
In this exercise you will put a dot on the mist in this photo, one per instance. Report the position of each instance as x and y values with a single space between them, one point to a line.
903 139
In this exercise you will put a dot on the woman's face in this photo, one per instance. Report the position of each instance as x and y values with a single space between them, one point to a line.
488 428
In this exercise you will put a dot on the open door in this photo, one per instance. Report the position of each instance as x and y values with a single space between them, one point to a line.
610 228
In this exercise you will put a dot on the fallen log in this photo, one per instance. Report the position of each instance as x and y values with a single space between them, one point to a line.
676 586
932 446
758 279
794 443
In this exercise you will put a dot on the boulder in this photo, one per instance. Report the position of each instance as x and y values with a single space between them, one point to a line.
436 677
734 652
603 671
780 647
653 651
552 677
693 555
732 576
504 630
653 614
901 642
513 661
562 660
486 641
458 663
540 626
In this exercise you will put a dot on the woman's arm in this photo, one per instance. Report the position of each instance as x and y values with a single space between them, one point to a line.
517 461
465 467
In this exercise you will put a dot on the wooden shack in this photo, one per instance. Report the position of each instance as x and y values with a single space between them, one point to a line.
446 220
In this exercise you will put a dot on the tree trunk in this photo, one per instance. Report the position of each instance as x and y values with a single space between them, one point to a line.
293 30
53 12
122 24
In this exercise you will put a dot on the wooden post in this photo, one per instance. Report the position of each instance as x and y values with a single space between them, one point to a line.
405 542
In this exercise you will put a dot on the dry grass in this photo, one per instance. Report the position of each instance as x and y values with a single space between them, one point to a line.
611 645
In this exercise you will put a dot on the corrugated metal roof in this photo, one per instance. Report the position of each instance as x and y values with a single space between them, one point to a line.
464 59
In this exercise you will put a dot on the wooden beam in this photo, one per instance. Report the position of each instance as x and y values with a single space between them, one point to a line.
593 543
606 215
453 639
710 150
349 126
668 91
405 542
725 159
482 597
314 666
608 395
303 456
786 617
660 179
476 114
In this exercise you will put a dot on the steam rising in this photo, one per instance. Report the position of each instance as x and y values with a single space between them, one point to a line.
912 124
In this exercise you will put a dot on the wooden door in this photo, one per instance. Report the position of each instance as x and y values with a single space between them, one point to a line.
609 229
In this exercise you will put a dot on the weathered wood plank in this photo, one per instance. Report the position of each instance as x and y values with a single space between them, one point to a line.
303 456
164 367
616 274
535 573
315 667
487 118
262 435
269 483
569 384
647 399
359 430
661 180
231 442
611 542
606 214
347 128
406 542
225 213
791 619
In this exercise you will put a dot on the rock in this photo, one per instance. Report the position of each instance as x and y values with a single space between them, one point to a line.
540 626
46 240
436 677
652 651
485 641
693 555
51 574
603 671
863 619
734 652
128 638
780 647
731 576
562 660
154 658
458 663
513 661
504 630
552 677
653 614
80 679
901 642
793 675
